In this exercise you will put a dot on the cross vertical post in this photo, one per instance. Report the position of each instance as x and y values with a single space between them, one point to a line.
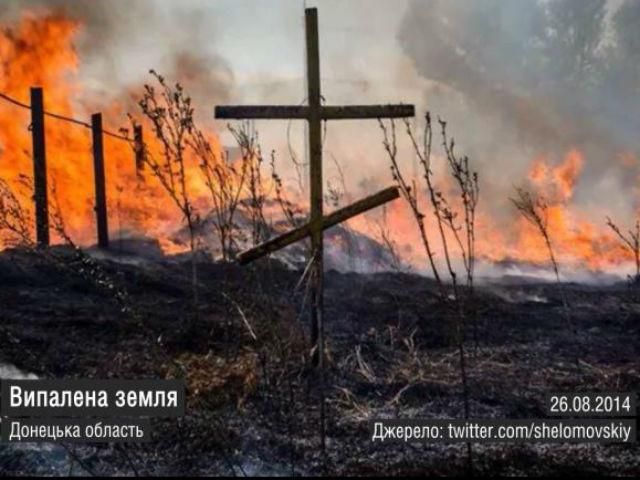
316 193
99 179
316 203
39 167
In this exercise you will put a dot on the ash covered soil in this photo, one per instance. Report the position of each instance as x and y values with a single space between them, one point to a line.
253 401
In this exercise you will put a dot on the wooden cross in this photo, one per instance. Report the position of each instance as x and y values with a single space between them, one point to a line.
314 112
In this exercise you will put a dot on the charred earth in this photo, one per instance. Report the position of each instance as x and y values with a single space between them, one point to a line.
253 400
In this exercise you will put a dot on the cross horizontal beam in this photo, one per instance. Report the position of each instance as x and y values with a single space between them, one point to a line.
328 221
244 112
328 112
350 112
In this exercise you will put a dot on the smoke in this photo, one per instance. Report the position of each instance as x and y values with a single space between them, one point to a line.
522 79
106 21
116 35
516 81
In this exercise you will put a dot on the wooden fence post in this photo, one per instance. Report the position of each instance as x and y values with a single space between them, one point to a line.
99 178
138 139
39 167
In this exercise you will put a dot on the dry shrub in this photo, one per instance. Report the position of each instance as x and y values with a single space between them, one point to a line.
255 192
15 220
281 337
454 220
213 381
535 209
631 242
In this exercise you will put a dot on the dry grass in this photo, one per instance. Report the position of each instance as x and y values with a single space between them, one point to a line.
630 241
447 216
534 209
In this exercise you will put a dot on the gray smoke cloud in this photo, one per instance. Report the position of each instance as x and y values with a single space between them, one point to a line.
106 21
117 35
517 79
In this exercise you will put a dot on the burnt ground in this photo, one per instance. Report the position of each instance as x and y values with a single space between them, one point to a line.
252 399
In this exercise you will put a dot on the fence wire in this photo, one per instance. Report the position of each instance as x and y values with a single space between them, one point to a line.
63 118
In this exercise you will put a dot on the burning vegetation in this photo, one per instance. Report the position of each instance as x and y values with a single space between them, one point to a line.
39 51
418 333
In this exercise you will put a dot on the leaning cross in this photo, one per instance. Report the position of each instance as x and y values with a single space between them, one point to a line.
315 113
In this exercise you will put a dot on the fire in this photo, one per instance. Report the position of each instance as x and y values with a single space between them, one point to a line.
576 239
39 51
557 183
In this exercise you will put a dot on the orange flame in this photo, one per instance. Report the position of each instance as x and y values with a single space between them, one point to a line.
39 51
